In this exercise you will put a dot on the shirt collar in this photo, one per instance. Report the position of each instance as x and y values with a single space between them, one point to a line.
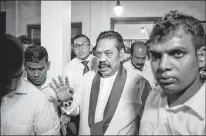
144 68
45 85
110 78
89 58
196 102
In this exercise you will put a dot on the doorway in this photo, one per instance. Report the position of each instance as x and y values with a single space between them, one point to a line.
3 22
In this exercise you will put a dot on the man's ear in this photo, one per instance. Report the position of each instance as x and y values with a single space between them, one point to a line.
201 54
121 54
48 65
90 48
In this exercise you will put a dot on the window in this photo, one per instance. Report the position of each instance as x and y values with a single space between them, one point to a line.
34 32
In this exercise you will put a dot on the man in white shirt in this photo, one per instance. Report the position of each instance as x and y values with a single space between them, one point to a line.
24 109
36 66
140 62
82 63
77 67
109 99
177 105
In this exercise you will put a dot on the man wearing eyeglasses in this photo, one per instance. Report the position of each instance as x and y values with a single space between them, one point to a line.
78 66
111 98
139 62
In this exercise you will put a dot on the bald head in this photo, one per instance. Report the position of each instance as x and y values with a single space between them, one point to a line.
139 46
139 53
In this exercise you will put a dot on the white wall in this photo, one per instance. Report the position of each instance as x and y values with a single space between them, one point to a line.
29 12
80 12
56 34
10 8
133 31
102 11
19 14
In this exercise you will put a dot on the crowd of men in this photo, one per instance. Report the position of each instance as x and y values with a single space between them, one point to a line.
159 89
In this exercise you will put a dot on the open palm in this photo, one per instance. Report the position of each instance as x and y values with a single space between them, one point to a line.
63 91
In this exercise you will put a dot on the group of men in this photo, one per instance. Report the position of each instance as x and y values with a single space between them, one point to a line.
159 91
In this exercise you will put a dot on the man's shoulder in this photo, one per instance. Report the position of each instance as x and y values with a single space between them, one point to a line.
72 62
71 65
33 92
126 64
133 74
89 75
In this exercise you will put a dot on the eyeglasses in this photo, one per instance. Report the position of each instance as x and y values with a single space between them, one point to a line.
108 54
77 46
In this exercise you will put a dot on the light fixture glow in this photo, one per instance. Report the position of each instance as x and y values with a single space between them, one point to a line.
118 9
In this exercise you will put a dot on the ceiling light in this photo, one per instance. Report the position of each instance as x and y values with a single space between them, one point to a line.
118 9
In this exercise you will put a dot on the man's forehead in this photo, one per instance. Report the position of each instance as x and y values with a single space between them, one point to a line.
107 44
183 42
81 39
36 64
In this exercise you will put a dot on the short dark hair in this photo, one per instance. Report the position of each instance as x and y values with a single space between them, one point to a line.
80 35
11 54
111 35
24 39
173 21
35 54
137 43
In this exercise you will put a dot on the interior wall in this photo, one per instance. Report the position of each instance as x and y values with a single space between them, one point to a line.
19 14
29 12
80 12
104 11
95 15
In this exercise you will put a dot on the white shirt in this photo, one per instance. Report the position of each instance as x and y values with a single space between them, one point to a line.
185 119
51 96
49 92
146 72
104 93
74 70
27 112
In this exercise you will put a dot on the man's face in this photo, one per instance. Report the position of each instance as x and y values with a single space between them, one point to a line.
81 48
109 57
138 57
36 72
175 63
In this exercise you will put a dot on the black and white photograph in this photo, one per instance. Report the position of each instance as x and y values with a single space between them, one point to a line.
118 67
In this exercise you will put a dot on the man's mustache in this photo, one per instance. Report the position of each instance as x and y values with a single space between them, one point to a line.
139 63
103 64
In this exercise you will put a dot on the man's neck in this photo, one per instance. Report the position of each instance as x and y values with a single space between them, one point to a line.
140 69
83 59
38 86
184 95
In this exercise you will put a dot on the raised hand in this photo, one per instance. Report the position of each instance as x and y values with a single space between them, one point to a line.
62 90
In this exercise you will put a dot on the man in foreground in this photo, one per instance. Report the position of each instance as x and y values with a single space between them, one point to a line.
76 68
109 99
24 109
177 105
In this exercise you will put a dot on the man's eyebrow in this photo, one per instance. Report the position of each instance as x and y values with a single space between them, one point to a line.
168 50
36 68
